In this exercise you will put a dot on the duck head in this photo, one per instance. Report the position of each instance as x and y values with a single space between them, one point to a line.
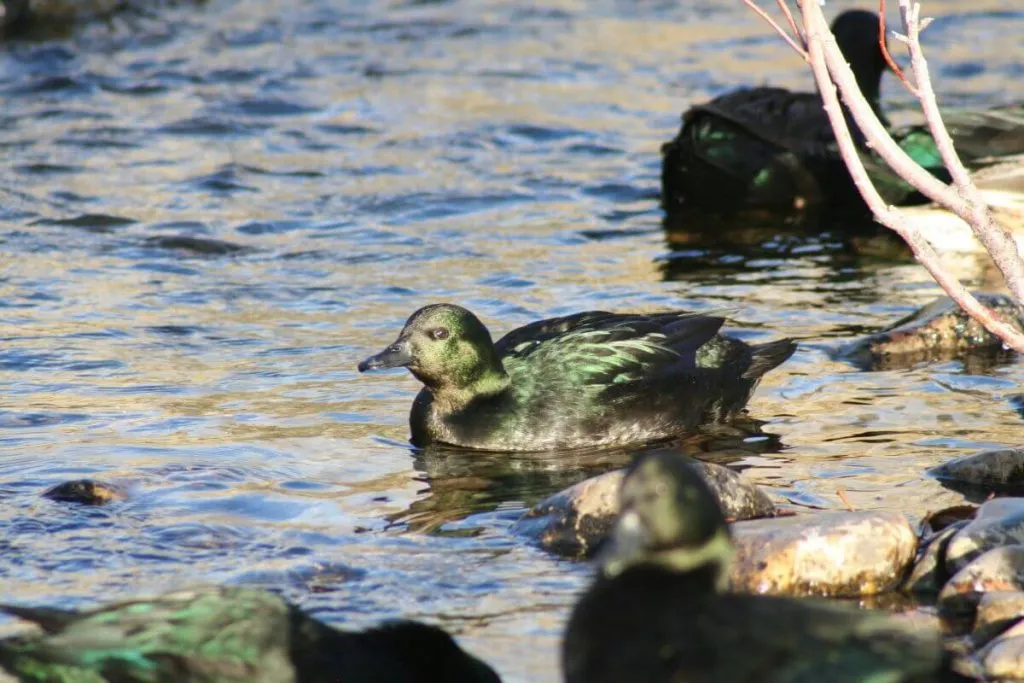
448 349
669 518
856 33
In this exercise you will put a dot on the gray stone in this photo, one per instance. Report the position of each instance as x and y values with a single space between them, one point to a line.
999 522
929 572
997 611
574 521
1000 569
840 554
1000 469
85 492
1003 658
939 331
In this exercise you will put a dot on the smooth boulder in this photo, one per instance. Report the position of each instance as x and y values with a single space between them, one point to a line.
573 522
1000 569
85 492
837 554
995 470
999 522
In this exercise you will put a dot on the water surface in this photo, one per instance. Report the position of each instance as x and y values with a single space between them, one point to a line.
209 214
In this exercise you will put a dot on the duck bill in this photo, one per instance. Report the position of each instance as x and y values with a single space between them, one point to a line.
625 546
398 355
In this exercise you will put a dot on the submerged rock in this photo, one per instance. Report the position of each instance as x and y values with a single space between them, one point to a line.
930 572
999 522
939 331
839 554
86 492
574 521
1000 569
996 470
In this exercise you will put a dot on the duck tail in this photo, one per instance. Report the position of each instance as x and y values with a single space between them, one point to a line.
765 357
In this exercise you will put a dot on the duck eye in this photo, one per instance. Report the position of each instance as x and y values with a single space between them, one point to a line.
439 333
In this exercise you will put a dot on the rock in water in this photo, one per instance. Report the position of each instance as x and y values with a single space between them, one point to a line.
1000 569
939 331
573 522
1000 470
86 492
999 522
837 554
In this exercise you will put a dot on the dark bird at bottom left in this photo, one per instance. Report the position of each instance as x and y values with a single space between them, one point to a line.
224 635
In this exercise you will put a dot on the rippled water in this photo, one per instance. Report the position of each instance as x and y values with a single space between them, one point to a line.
210 213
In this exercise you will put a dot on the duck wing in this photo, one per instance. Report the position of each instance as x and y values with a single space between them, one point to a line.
598 348
218 635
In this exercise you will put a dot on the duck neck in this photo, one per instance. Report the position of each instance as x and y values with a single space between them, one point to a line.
488 382
708 566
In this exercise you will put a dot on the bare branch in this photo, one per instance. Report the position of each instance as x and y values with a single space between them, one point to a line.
885 51
829 64
996 239
778 29
792 22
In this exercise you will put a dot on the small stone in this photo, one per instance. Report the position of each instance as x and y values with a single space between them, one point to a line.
838 554
574 521
1003 658
1000 569
85 492
999 522
929 572
996 470
997 611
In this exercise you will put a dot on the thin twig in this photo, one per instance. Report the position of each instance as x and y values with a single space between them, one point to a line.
882 43
792 22
778 29
997 240
834 67
846 501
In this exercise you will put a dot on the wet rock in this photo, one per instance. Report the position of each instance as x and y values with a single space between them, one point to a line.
939 331
1003 658
840 554
935 522
85 491
997 470
1000 569
997 611
202 246
929 572
999 522
574 521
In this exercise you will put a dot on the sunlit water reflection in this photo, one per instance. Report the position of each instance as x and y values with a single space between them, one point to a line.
209 214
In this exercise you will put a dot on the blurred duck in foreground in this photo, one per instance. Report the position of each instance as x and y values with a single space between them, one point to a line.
771 149
589 379
227 635
659 612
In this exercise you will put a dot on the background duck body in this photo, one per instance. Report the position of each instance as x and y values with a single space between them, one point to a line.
589 379
770 148
225 635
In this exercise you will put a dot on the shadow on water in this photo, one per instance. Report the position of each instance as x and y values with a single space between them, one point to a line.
463 482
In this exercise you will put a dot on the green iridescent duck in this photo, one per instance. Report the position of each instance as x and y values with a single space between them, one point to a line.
658 612
226 635
589 379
